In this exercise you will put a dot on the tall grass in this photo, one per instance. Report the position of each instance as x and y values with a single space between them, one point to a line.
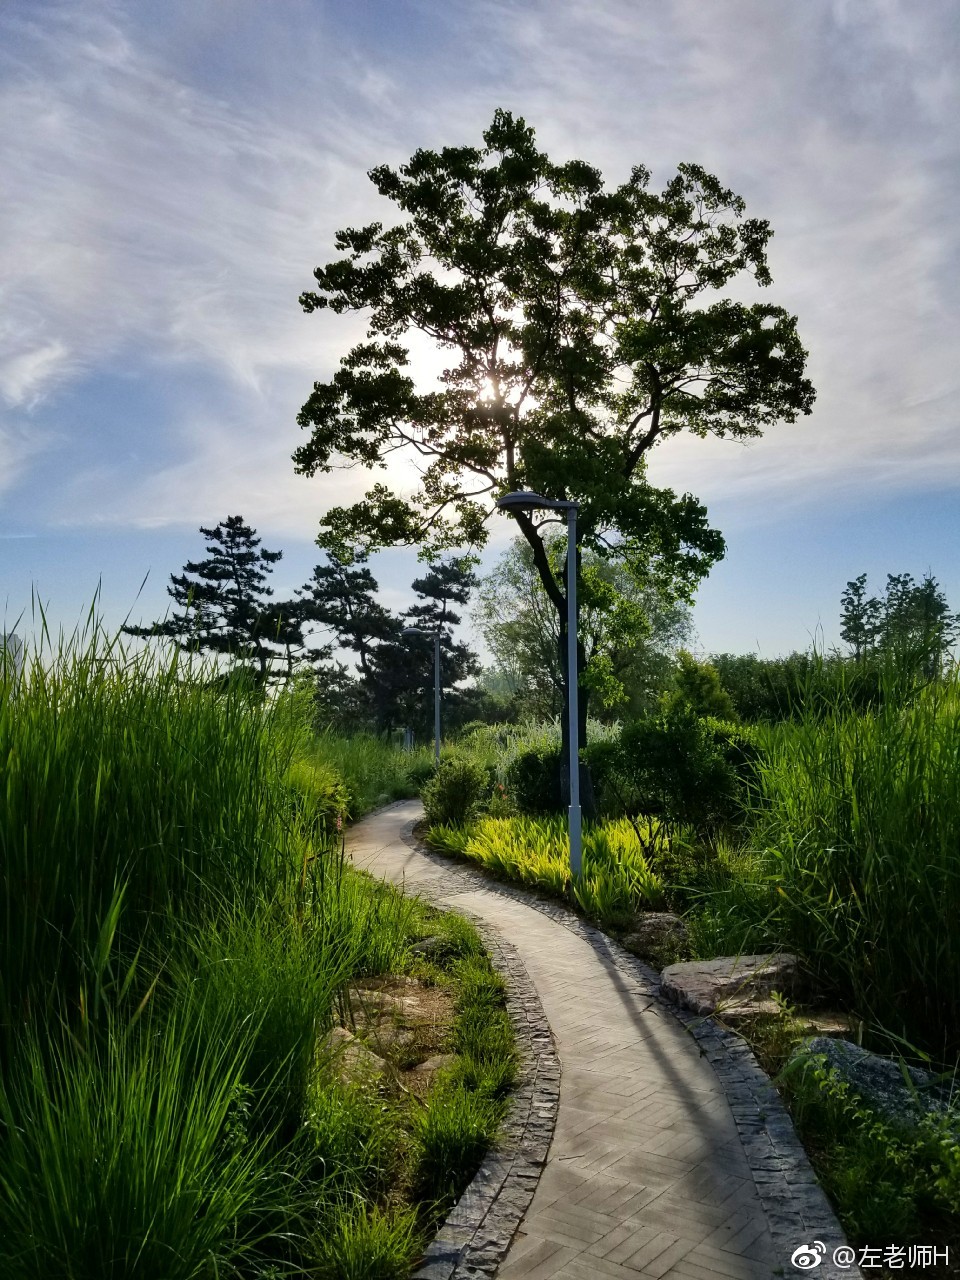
373 771
861 823
116 1160
123 775
498 745
177 924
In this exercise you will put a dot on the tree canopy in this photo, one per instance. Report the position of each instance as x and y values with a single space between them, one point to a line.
582 328
911 623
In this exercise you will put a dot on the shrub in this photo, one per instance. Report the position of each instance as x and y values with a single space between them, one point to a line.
533 779
456 792
678 770
697 689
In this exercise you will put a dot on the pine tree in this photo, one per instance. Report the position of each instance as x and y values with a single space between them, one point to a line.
224 605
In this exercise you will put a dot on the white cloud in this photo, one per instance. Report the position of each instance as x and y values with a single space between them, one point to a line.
23 375
155 212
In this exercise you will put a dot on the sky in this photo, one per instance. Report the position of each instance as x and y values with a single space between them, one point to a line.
173 173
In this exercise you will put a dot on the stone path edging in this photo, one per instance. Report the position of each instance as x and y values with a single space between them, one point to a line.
477 1232
795 1204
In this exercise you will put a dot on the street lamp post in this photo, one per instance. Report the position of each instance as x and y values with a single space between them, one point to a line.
526 501
417 631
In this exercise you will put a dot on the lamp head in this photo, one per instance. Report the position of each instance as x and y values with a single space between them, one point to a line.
524 500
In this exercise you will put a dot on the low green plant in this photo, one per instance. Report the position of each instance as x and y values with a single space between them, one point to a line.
457 791
452 1133
616 881
364 1242
887 1181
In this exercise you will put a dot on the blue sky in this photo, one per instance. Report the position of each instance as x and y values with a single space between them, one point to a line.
173 174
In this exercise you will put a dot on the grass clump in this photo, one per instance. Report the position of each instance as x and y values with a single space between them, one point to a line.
368 1242
119 1159
617 879
452 1134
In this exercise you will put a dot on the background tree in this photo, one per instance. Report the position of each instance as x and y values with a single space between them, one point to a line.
582 327
911 625
394 684
341 596
224 605
404 673
697 688
859 617
629 632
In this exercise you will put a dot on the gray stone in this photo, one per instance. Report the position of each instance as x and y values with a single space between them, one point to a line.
353 1060
656 934
706 986
880 1081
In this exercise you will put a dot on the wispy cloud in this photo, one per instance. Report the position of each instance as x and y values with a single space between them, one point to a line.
171 181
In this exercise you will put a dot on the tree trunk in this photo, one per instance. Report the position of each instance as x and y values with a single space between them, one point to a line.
588 805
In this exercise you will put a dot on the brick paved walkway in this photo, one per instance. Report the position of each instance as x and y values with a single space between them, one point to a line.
646 1174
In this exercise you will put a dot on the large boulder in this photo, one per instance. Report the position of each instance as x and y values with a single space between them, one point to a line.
900 1094
735 987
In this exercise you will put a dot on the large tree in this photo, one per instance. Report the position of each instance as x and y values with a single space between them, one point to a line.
582 327
224 605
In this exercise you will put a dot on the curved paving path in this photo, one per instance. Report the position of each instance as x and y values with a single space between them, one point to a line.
647 1173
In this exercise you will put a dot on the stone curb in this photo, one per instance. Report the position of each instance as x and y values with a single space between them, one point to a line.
478 1231
796 1206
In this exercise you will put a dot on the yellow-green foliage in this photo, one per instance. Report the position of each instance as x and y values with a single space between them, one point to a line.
318 794
616 879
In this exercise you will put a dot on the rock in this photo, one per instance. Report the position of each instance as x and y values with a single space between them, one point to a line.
432 948
656 932
437 1063
740 1010
879 1081
353 1060
707 986
823 1022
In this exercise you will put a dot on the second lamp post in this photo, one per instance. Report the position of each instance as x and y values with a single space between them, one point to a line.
417 631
